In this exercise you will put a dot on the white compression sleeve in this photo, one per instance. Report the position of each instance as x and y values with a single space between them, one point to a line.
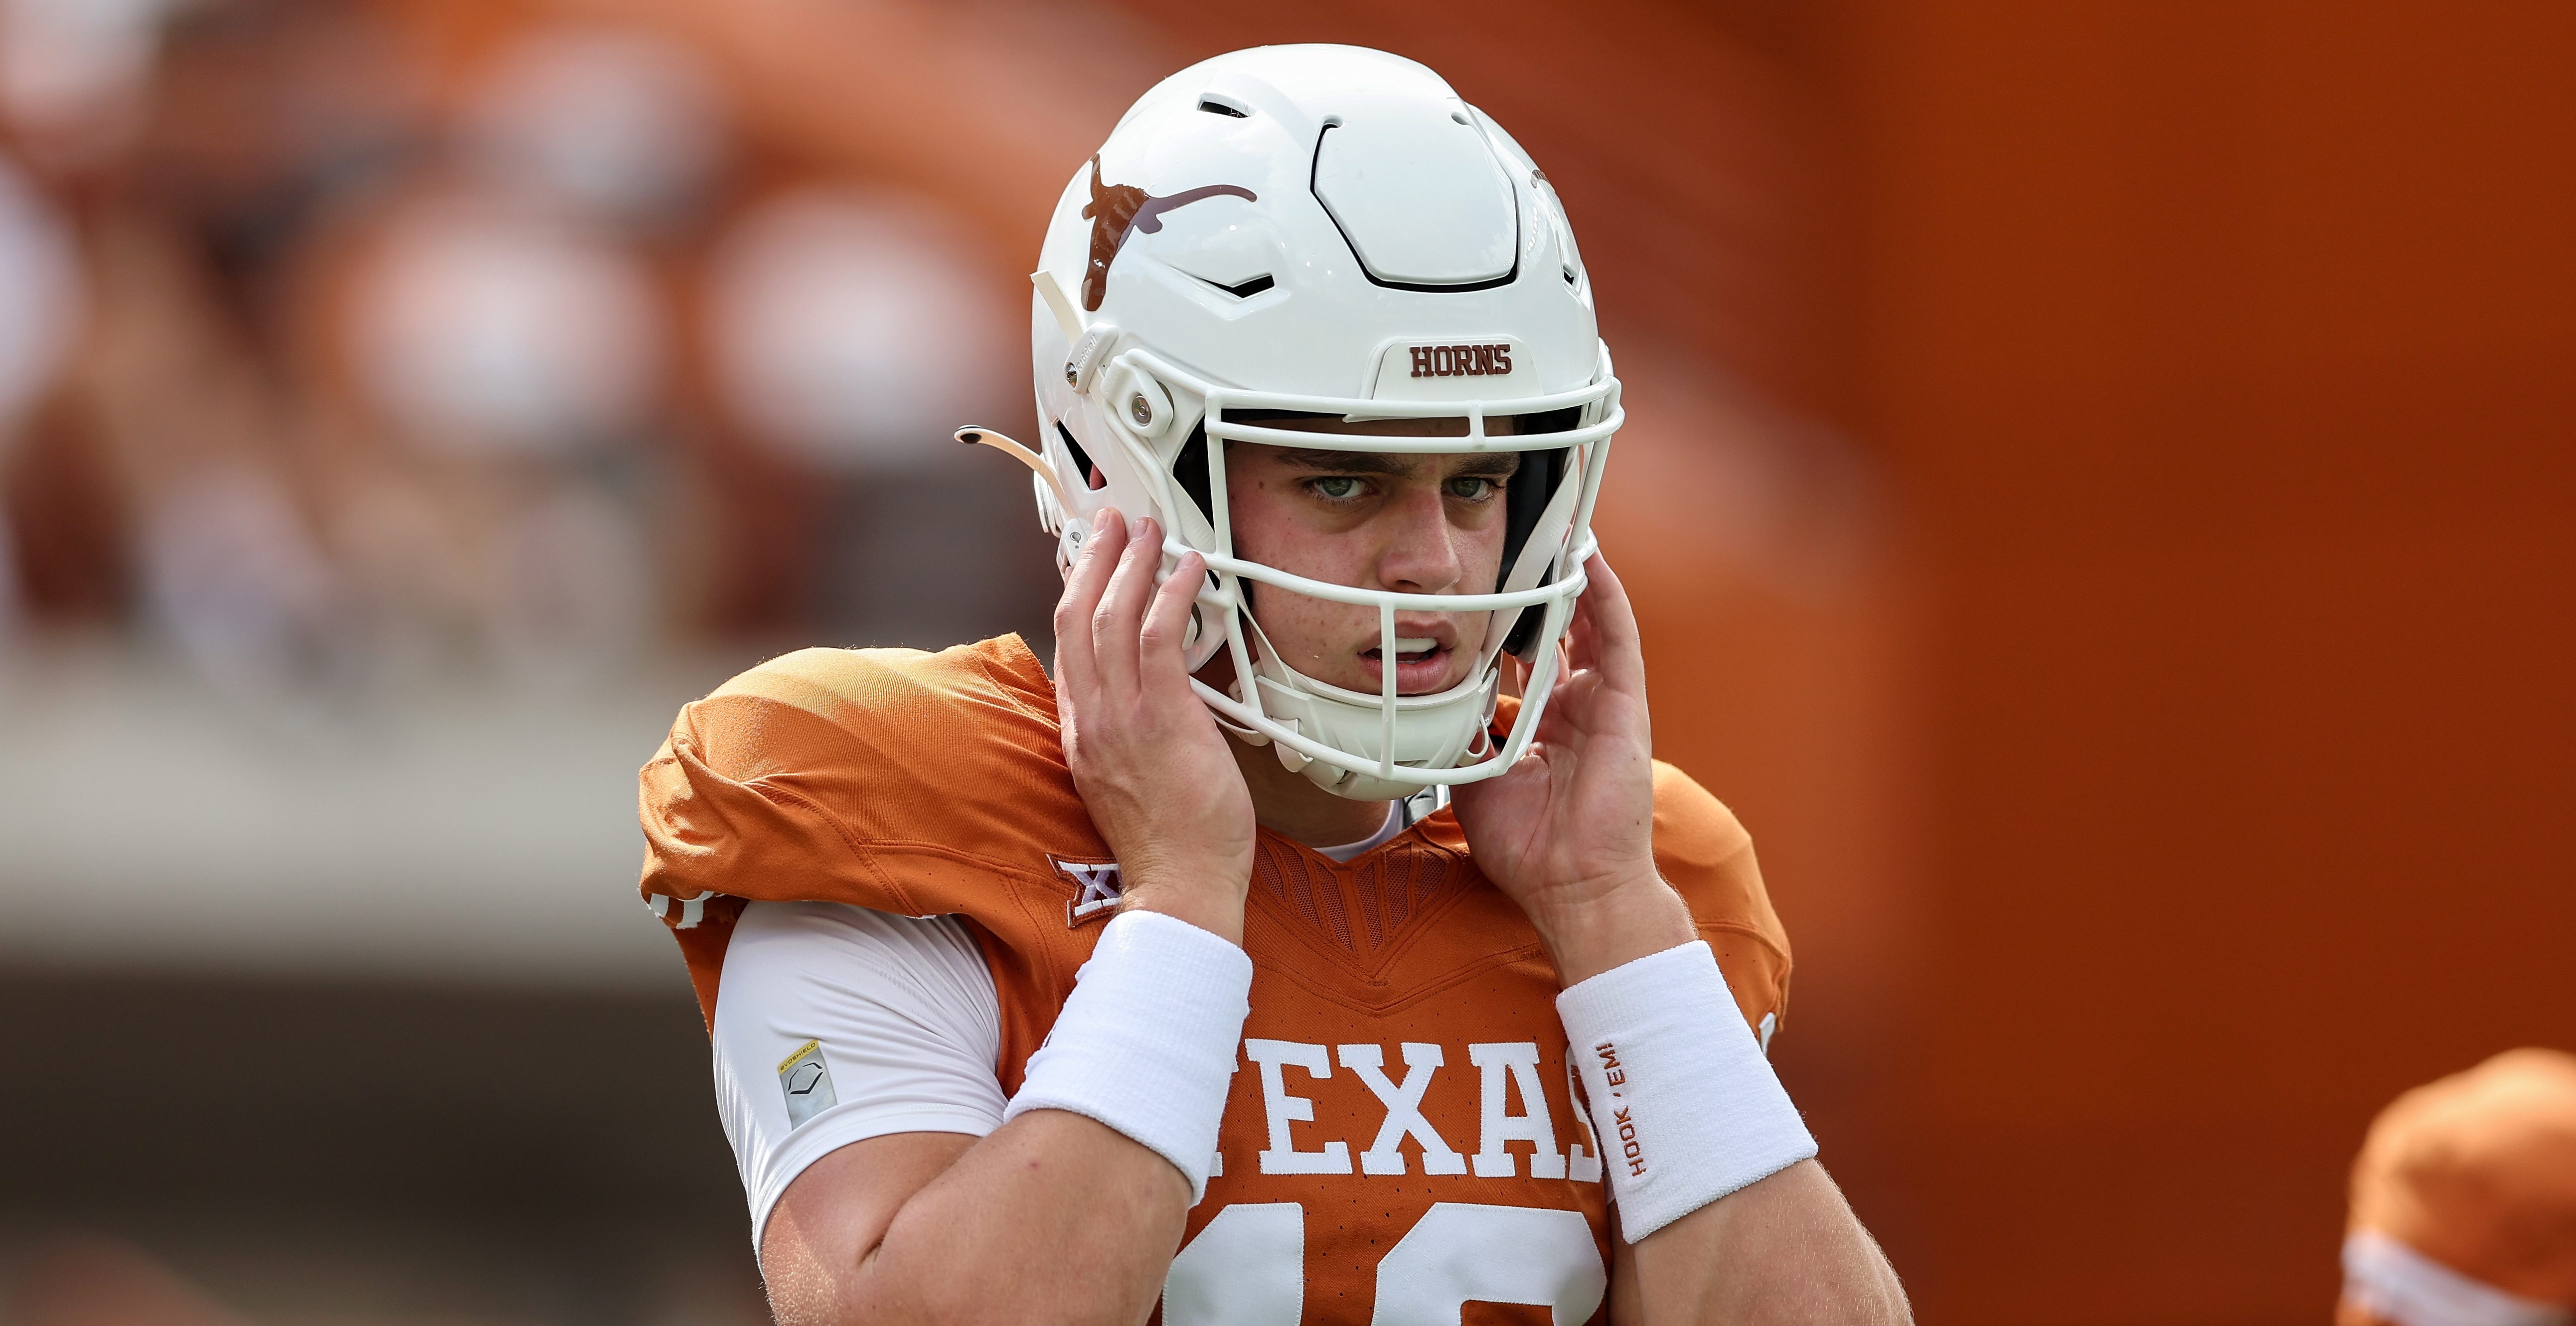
837 1024
1146 1041
1686 1107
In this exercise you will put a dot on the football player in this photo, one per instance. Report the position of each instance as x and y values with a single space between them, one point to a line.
1320 941
2464 1201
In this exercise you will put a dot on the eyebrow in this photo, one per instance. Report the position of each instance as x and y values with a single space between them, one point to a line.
1480 465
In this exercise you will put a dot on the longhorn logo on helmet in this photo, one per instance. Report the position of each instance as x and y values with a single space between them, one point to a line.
1118 210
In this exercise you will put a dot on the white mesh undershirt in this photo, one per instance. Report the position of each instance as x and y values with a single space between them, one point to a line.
906 1027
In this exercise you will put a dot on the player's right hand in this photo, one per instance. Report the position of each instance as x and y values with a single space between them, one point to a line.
1153 768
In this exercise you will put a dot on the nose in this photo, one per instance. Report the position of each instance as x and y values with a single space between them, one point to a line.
1421 553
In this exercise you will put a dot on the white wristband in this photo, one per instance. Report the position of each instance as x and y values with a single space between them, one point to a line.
1686 1107
2389 1280
1146 1041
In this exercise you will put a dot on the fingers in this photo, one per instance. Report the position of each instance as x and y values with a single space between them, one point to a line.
1582 642
1567 720
1118 621
1161 666
1606 630
1074 665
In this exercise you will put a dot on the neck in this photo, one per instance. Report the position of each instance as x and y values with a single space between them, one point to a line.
1290 805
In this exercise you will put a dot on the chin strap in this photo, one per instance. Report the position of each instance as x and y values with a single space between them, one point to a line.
1002 442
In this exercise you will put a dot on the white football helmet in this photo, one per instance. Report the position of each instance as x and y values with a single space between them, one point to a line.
1325 230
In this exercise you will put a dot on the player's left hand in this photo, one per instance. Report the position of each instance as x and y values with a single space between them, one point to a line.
1568 833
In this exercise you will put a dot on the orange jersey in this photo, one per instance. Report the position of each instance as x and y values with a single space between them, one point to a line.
2478 1173
1402 1120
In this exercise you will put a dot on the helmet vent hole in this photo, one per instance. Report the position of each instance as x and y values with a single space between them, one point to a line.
1460 117
1247 289
1226 106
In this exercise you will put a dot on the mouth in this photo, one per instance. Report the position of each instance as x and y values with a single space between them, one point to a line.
1423 663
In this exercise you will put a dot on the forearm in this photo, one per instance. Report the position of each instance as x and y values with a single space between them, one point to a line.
1784 1250
1047 1190
1100 1154
1732 1223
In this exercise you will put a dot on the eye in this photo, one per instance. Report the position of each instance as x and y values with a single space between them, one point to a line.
1335 487
1472 488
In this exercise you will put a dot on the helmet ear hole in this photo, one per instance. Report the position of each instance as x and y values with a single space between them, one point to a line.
1206 633
1190 471
1092 478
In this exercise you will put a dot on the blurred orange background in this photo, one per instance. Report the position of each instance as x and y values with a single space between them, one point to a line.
2097 489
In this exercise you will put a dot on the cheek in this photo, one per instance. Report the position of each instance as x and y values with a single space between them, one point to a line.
1273 527
1482 551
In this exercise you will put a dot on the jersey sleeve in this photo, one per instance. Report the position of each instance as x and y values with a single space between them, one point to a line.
886 778
1704 852
839 1024
754 792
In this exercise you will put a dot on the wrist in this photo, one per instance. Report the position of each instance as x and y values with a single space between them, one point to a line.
1611 926
1685 1105
1145 1043
1214 907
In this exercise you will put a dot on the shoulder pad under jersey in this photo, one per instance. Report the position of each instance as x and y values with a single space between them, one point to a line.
887 778
1704 852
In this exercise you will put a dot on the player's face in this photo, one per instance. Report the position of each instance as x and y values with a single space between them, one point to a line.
1412 523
